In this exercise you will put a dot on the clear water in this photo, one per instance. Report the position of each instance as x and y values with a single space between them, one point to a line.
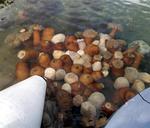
69 16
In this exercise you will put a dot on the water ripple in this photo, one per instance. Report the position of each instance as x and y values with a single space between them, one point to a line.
79 14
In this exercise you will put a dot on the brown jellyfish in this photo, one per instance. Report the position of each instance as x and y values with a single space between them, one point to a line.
109 108
128 58
24 36
64 100
117 67
115 28
66 60
77 69
26 55
101 122
89 33
36 38
88 121
59 46
97 86
88 40
47 34
114 45
37 70
87 70
138 60
87 91
86 79
77 88
70 39
22 71
56 63
47 46
129 94
71 44
122 95
97 75
107 56
44 60
92 50
77 100
72 47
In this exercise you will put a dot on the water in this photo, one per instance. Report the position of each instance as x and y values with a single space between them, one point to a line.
69 16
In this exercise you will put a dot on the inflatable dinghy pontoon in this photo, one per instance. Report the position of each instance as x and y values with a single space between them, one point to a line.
133 114
21 105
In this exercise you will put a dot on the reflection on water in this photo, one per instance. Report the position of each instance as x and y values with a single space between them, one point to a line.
75 15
